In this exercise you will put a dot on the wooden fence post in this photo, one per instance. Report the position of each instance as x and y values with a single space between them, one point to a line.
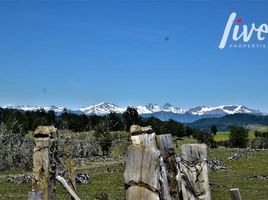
162 169
44 166
142 173
194 172
154 172
69 161
235 194
170 168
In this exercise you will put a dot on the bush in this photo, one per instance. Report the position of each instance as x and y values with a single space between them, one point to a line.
238 136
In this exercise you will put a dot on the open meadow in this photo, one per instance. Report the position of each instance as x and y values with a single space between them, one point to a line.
107 175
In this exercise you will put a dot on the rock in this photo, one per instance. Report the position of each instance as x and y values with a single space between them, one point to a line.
239 153
19 179
82 178
215 164
258 177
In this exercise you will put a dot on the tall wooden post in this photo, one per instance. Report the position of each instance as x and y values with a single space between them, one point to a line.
194 172
44 166
142 168
171 188
69 161
142 173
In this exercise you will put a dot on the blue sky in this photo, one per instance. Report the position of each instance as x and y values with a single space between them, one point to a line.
80 53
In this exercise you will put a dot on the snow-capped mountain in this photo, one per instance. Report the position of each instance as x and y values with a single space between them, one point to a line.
165 112
23 107
153 108
35 108
102 109
221 110
55 109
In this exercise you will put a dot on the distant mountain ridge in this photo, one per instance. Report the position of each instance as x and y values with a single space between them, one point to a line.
224 122
165 112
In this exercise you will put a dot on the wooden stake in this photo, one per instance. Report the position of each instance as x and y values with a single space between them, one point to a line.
235 194
142 173
194 172
172 187
44 162
69 161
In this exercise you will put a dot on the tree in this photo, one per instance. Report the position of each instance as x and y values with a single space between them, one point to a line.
213 130
114 122
204 137
130 117
238 136
103 136
174 128
156 124
189 131
257 134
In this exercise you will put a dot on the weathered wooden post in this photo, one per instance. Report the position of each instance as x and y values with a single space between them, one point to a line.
154 172
44 166
142 173
235 194
69 161
143 135
143 166
171 187
194 172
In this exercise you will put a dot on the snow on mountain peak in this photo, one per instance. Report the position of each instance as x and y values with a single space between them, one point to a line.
104 108
221 110
23 107
54 108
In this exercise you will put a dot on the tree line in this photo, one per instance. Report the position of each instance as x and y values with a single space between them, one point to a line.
104 125
30 120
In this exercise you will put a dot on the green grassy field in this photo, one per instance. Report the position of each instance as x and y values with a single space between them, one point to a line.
224 135
112 182
236 172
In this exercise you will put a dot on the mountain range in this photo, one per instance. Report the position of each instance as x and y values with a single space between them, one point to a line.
224 122
164 112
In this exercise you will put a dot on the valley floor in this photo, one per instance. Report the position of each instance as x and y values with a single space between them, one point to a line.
107 178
